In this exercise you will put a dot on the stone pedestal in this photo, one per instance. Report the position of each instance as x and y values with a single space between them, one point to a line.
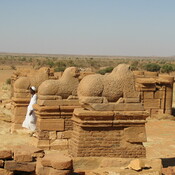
54 124
156 92
108 133
19 112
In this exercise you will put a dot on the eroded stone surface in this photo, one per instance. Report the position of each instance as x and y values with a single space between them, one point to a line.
64 87
57 161
120 83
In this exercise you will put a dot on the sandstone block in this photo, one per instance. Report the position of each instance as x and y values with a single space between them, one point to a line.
152 103
6 154
26 153
168 104
57 161
59 135
52 171
130 115
157 111
43 135
52 135
135 134
159 94
58 102
132 100
5 172
136 164
19 111
129 107
66 134
15 166
155 164
93 115
43 144
148 95
45 109
51 124
20 156
59 144
169 92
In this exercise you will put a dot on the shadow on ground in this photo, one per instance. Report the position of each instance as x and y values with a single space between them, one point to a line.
166 162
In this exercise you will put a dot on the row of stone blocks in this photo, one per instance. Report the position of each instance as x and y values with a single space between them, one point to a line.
156 93
54 124
30 160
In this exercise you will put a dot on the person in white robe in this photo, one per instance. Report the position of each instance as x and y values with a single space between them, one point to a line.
30 119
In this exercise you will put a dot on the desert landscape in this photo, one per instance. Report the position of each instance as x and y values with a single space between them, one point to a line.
160 131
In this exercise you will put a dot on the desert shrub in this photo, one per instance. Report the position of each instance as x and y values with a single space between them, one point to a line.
59 69
60 64
13 67
23 59
134 65
106 70
50 63
152 67
8 81
167 68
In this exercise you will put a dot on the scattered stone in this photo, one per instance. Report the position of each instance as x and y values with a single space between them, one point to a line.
15 166
57 161
5 172
6 154
27 151
136 164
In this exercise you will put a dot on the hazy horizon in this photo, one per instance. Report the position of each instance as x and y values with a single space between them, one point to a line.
93 27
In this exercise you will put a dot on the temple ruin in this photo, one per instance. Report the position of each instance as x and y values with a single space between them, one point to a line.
57 100
156 91
99 116
21 81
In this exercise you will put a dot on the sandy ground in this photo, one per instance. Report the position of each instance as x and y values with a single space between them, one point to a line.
160 139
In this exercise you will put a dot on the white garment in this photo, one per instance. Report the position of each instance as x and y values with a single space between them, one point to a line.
30 120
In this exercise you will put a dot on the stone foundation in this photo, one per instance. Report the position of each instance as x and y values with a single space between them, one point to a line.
54 124
156 92
108 133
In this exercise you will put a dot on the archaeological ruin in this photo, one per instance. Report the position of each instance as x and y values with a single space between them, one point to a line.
21 81
56 101
92 115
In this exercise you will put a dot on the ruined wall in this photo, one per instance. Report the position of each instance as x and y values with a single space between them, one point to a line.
56 101
22 80
156 92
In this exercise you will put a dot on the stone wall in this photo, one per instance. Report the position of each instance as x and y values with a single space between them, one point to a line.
22 80
156 92
108 133
56 101
54 124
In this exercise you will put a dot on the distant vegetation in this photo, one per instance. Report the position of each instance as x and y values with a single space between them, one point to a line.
99 64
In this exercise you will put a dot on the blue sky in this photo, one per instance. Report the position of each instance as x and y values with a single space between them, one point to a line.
90 27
